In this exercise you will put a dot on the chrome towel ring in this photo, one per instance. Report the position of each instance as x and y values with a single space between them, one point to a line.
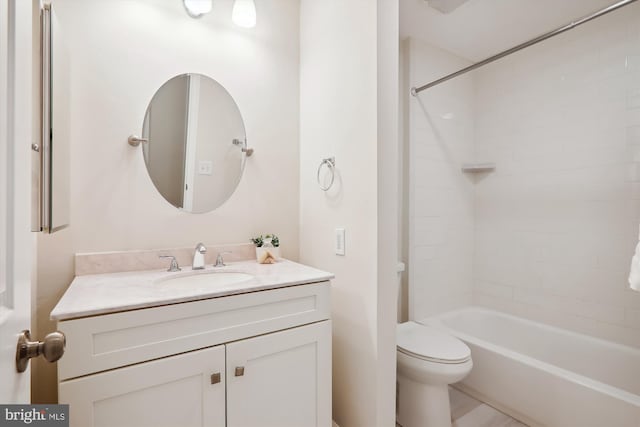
330 162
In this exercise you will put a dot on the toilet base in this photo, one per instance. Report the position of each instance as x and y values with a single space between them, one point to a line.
422 405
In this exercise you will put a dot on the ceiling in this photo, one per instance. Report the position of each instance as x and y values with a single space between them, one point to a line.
478 29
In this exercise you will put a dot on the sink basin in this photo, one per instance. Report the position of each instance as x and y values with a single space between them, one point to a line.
204 279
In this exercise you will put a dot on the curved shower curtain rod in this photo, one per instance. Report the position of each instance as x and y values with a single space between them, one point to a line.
584 19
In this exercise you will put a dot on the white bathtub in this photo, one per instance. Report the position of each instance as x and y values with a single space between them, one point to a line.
545 375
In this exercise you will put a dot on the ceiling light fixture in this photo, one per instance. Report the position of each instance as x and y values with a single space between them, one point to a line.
244 13
197 8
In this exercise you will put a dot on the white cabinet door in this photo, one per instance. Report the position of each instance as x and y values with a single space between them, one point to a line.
281 379
180 391
16 243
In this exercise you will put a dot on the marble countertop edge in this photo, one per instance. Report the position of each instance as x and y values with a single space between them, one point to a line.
99 294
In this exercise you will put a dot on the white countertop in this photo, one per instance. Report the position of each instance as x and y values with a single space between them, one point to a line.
96 294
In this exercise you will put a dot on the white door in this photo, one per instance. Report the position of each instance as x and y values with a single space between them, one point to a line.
186 390
281 379
15 166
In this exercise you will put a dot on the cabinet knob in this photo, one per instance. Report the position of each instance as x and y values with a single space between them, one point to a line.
215 378
239 371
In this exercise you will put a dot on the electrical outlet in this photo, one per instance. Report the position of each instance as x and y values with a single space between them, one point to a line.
340 241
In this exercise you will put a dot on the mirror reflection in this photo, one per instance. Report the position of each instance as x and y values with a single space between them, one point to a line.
195 136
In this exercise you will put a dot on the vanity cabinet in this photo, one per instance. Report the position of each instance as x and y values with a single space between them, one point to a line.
255 359
280 379
175 391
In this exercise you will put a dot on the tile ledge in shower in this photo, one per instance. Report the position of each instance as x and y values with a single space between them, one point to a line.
478 167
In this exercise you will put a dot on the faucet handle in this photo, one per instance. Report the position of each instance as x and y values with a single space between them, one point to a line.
220 260
174 263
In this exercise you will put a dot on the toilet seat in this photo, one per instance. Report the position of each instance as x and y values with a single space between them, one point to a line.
431 344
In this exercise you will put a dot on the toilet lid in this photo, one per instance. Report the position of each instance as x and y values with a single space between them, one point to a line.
429 343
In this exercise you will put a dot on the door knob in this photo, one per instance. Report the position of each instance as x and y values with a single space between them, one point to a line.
52 348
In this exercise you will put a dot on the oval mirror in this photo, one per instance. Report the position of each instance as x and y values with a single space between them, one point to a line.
194 143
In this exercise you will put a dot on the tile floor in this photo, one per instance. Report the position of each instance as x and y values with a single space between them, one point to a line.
469 412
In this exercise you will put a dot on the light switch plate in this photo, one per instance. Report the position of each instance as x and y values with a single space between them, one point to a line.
340 241
205 167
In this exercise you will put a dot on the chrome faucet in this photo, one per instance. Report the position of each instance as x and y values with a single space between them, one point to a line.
198 257
174 263
220 260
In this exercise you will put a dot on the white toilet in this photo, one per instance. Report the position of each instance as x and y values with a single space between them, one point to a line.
428 361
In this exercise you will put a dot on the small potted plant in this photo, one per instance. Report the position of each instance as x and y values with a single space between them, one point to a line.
267 248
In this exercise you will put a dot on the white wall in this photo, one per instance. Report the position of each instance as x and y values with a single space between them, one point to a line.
388 244
440 206
557 222
341 115
121 53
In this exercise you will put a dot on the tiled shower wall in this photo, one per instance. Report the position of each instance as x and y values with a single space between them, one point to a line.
557 222
548 235
441 214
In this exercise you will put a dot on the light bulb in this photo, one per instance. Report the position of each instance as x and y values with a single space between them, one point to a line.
244 13
197 8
